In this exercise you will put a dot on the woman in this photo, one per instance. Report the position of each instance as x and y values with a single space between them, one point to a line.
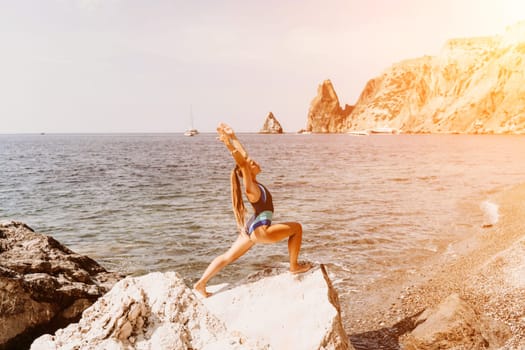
259 228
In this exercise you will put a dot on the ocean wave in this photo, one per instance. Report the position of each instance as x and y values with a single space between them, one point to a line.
490 213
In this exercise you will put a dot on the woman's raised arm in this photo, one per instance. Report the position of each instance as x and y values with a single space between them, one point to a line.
239 154
227 135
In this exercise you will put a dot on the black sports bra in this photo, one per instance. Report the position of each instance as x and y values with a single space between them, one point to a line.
265 201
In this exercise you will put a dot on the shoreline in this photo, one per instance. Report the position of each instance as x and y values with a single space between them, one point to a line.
486 270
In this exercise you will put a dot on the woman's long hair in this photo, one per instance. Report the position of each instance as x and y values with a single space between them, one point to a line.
237 202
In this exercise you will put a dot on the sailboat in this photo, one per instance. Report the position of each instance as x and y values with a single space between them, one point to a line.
191 131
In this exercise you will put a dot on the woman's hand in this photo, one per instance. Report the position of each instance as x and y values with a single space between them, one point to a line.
224 129
227 136
224 137
229 131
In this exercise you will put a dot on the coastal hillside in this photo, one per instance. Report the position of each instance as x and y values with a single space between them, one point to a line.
475 85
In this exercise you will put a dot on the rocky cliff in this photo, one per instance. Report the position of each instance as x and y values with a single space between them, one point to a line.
43 284
475 85
326 114
271 125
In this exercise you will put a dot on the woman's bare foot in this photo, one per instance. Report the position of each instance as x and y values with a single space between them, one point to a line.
300 268
201 288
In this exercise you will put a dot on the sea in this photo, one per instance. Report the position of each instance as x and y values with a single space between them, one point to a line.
370 206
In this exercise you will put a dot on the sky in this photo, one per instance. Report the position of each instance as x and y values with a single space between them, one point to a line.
103 66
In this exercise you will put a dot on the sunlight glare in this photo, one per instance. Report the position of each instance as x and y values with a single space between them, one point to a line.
513 12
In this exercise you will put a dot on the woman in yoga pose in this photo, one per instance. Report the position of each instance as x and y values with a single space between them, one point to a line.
259 228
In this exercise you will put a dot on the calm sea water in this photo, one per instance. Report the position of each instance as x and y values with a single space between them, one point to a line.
368 205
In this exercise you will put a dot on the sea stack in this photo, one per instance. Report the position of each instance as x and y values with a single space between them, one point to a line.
325 114
271 125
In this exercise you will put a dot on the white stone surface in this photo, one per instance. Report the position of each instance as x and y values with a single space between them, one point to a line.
271 310
155 311
284 310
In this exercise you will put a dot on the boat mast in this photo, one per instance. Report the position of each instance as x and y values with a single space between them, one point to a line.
191 117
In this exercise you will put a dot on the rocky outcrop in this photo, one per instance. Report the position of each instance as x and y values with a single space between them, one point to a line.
271 125
475 85
284 310
155 311
455 325
325 114
158 311
43 284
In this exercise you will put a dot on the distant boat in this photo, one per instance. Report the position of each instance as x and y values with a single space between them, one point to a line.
191 131
358 133
384 130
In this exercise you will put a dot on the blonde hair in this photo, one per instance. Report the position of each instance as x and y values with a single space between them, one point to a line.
237 202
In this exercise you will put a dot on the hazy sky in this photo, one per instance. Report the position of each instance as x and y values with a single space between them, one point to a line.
138 66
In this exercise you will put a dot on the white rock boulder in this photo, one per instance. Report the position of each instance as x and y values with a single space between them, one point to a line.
284 310
155 311
270 310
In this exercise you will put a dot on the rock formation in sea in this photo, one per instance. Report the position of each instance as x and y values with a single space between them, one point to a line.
271 125
474 85
43 284
273 310
325 114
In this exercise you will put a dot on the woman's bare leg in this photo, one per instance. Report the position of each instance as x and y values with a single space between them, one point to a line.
238 249
277 232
